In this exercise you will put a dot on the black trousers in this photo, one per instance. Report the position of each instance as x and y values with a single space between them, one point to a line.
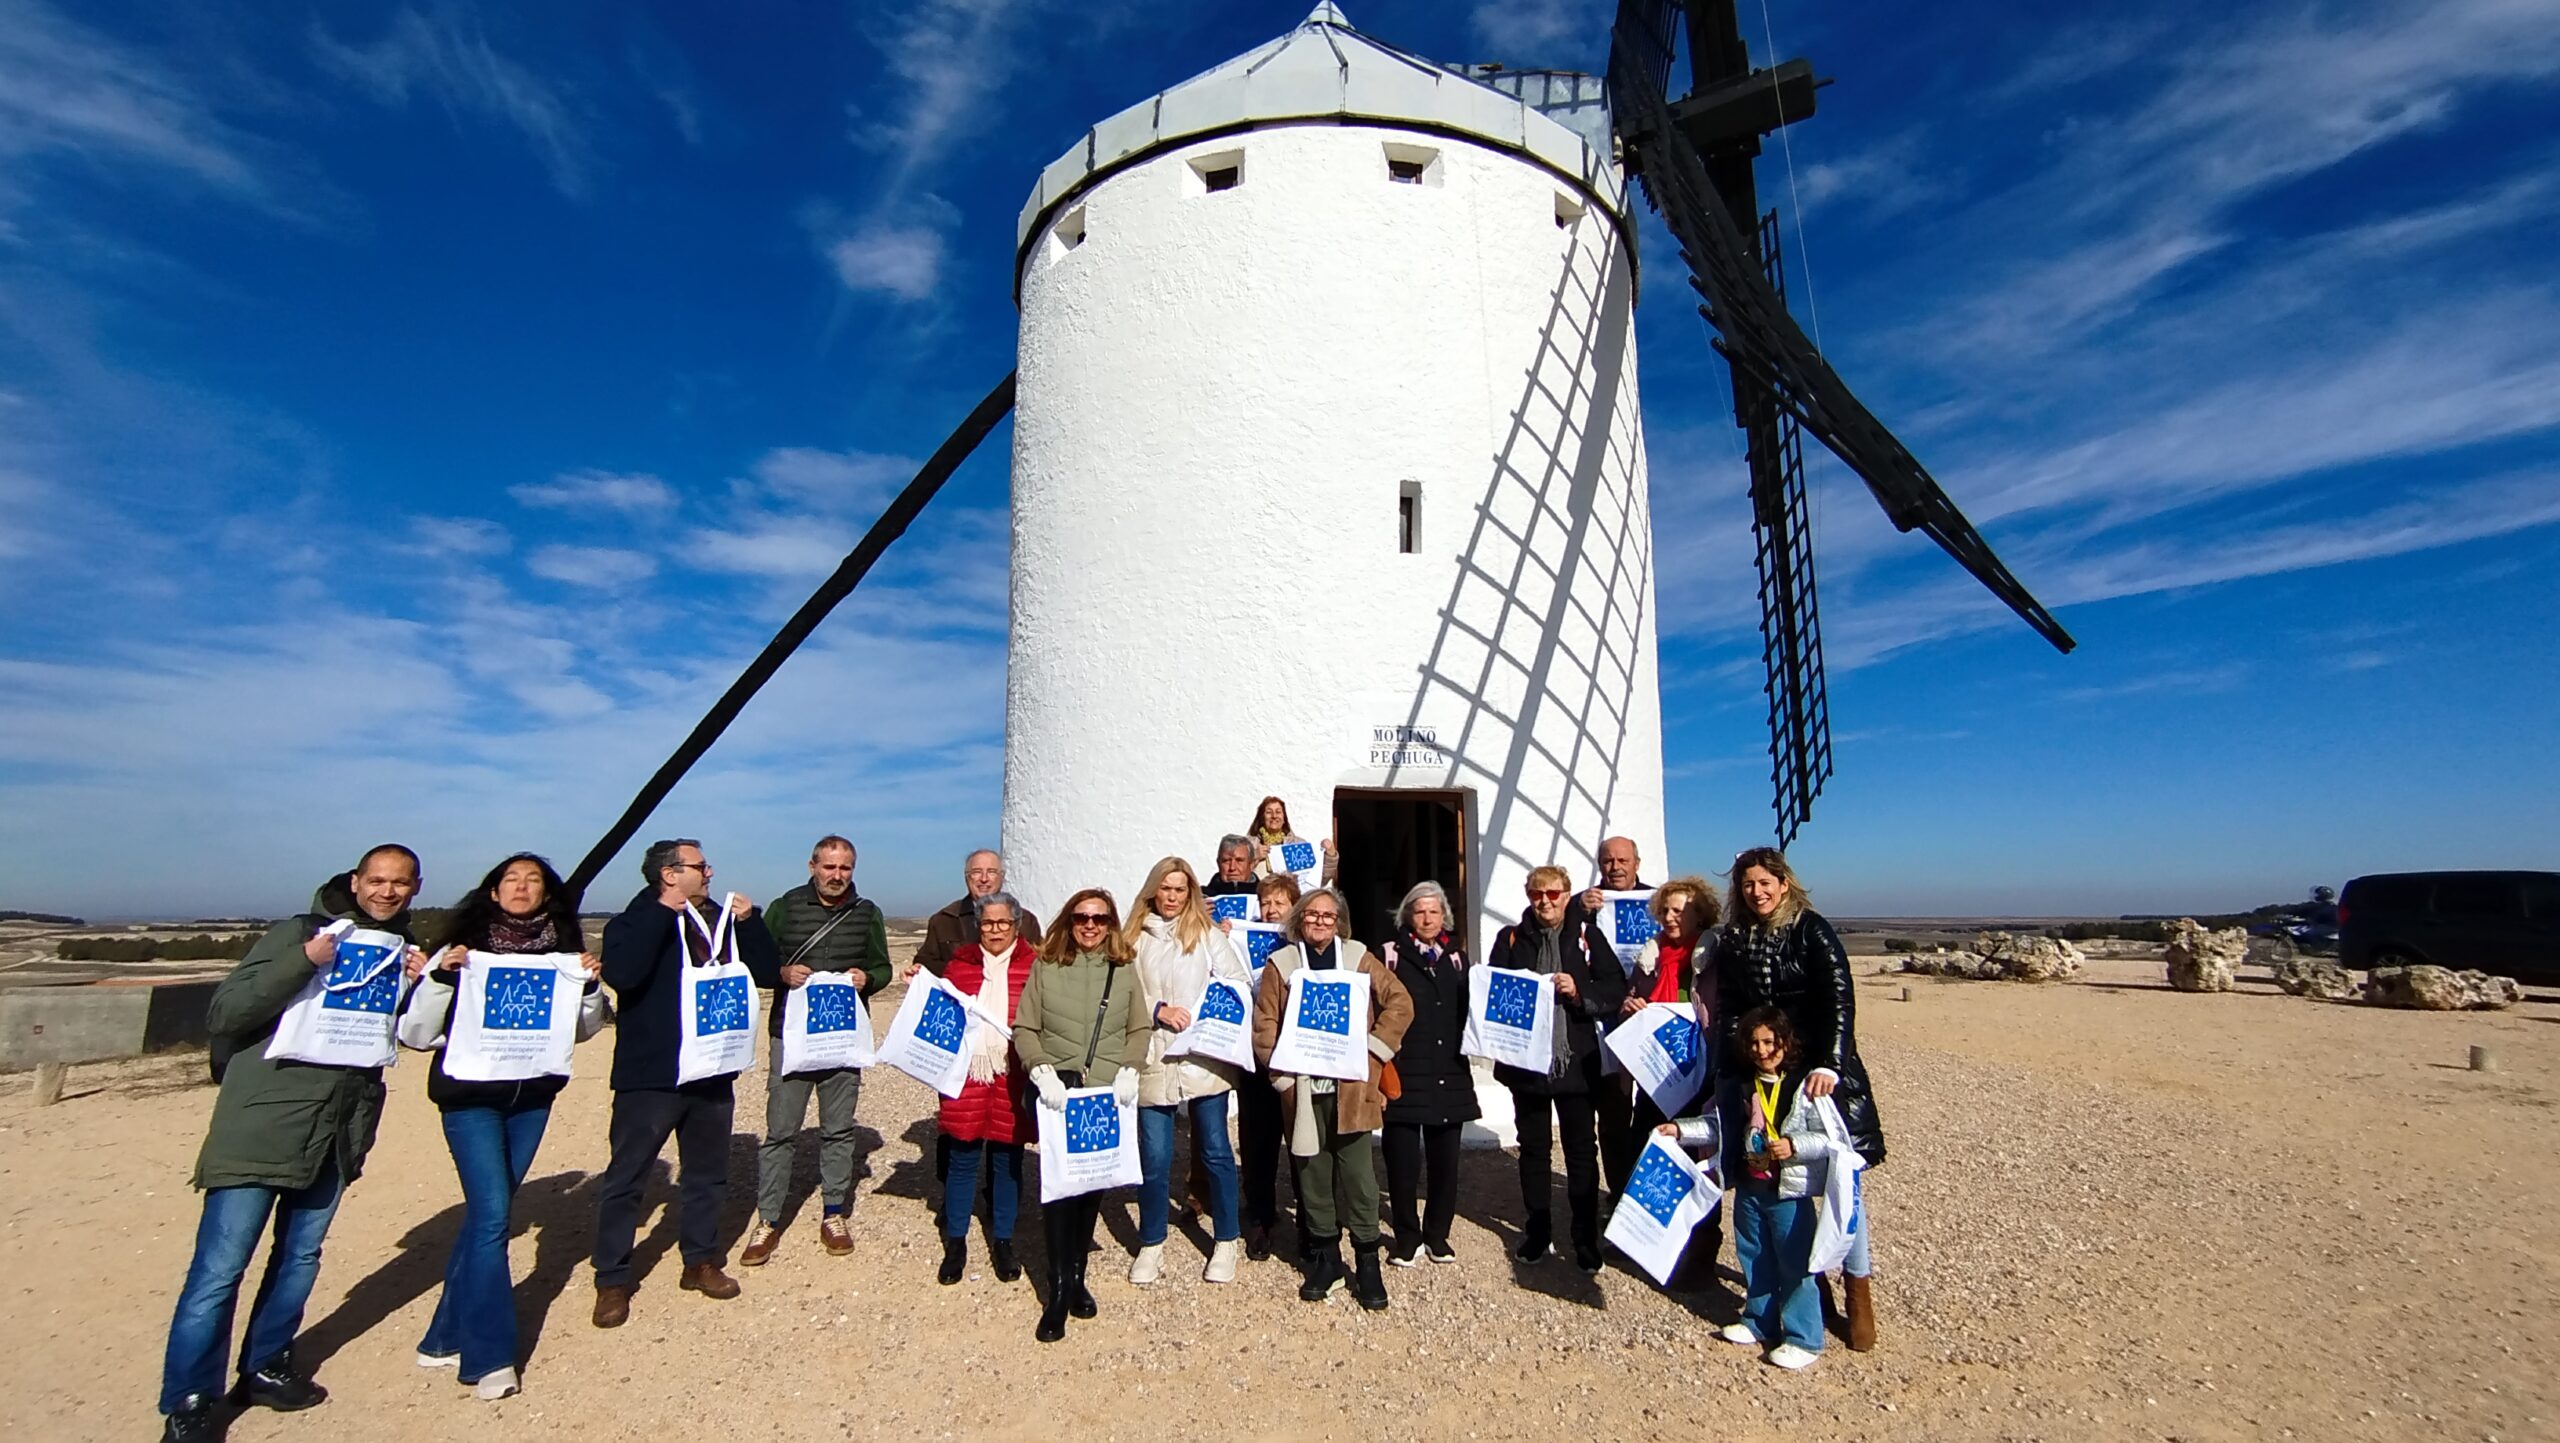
642 1120
1067 1227
1539 1115
1258 1152
1411 1147
1612 1109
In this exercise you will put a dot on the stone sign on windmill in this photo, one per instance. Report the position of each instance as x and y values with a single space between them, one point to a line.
1329 476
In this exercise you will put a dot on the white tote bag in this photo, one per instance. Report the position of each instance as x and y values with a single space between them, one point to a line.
718 1003
1324 1026
1089 1145
1511 1018
1302 860
1255 942
1664 1051
1629 924
1221 1026
1840 1218
825 1026
1235 907
345 1013
515 1017
929 1034
1666 1197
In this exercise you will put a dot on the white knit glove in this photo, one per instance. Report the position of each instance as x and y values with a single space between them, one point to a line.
1124 1087
1053 1093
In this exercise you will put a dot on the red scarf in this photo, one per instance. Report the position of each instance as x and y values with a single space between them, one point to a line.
1671 966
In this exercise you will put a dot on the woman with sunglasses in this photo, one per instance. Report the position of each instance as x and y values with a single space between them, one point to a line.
1776 951
1555 936
1080 1024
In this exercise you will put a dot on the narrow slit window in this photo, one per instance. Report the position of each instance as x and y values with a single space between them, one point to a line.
1568 211
1067 234
1223 170
1412 164
1409 518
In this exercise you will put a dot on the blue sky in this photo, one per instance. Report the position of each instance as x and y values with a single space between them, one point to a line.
412 416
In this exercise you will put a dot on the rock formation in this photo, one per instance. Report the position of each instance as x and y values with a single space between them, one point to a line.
2315 977
2001 957
2440 989
2200 960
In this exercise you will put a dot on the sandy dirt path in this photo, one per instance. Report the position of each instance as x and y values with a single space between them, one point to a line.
2112 1211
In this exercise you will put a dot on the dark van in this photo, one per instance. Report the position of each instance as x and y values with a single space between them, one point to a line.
2504 923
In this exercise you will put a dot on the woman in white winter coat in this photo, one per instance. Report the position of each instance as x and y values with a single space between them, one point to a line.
1179 949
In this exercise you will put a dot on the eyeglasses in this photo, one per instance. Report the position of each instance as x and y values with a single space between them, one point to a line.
1545 894
1321 917
703 867
995 924
1093 919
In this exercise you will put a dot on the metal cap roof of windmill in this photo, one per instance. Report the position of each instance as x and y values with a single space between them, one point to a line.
1693 159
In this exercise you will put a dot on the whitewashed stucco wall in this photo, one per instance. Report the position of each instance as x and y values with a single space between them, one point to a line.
1221 396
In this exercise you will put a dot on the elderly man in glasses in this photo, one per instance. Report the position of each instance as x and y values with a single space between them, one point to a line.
1552 938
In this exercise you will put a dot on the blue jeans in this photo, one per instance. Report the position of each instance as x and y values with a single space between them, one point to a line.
476 1314
200 1334
960 1186
1773 1241
1155 1166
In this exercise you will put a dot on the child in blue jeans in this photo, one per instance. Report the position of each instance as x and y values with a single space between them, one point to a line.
1775 1150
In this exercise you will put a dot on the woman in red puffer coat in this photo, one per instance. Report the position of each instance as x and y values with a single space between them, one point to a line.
988 1123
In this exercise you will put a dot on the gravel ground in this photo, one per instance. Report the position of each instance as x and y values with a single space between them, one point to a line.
2112 1212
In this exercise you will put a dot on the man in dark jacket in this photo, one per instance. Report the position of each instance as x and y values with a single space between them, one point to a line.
286 1139
1556 936
1614 1103
944 931
823 925
1235 869
645 951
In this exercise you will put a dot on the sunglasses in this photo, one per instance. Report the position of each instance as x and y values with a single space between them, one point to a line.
1093 919
1545 894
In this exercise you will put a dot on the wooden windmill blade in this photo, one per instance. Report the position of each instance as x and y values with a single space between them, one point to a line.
1694 161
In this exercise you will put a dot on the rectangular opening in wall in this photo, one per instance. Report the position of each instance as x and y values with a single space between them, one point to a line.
1568 210
1390 839
1409 518
1223 170
1412 164
1067 234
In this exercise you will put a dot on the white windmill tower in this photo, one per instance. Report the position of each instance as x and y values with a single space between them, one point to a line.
1329 481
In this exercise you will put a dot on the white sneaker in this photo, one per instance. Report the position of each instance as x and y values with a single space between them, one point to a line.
496 1384
1148 1265
1739 1333
439 1360
1792 1358
1222 1263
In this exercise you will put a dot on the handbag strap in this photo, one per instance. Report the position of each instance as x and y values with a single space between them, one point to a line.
821 934
1093 1041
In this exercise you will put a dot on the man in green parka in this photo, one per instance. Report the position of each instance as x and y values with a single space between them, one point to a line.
286 1139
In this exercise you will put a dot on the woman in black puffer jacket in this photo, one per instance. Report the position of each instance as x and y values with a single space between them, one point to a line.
1439 1096
492 1128
1776 951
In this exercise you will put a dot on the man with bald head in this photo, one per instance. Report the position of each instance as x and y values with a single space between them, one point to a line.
1617 872
1614 1102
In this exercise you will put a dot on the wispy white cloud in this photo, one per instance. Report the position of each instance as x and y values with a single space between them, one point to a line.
903 261
2182 681
459 536
605 568
445 55
857 481
636 494
1528 34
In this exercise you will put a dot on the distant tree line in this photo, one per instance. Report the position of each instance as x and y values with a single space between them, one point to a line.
54 919
202 946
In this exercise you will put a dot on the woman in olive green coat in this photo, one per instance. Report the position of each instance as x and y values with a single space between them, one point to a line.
1080 1024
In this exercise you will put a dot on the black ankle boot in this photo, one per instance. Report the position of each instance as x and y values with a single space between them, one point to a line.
1366 1284
1053 1314
1537 1239
955 1261
193 1422
1079 1297
1000 1254
1324 1270
278 1384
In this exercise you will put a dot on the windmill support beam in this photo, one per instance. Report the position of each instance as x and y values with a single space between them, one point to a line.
1739 111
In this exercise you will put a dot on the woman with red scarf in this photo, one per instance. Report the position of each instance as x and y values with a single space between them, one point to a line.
1677 965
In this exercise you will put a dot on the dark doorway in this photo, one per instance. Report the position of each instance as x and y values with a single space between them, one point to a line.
1391 839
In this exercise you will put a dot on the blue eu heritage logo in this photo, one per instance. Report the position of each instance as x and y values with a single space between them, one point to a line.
1230 908
519 999
1658 1185
1222 1003
1297 856
1093 1123
719 1005
1678 1039
1258 947
1326 1007
1511 1001
1635 924
831 1008
940 1024
355 959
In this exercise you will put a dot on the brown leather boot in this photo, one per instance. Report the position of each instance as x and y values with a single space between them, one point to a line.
613 1306
1862 1313
761 1241
708 1280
